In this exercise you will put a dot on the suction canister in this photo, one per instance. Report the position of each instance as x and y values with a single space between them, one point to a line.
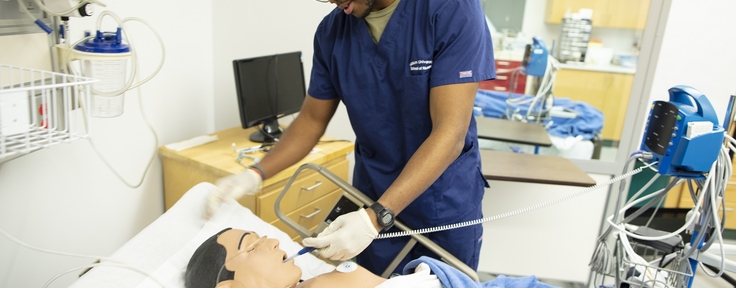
105 57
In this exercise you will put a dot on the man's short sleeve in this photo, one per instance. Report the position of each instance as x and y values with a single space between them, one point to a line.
320 82
463 45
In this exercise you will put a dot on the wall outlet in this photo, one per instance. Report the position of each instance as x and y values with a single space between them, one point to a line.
30 5
48 111
14 113
15 21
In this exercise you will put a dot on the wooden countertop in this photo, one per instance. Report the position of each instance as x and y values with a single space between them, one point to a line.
543 169
219 158
512 131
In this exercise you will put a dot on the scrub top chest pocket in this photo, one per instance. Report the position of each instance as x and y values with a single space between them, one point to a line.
415 103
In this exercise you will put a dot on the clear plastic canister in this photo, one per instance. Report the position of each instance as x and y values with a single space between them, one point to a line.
111 74
105 57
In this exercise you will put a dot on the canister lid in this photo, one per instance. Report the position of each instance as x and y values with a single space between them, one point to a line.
104 42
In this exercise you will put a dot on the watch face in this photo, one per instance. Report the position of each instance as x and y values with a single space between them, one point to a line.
385 216
386 219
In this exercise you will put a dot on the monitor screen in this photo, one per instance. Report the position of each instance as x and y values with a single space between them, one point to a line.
268 87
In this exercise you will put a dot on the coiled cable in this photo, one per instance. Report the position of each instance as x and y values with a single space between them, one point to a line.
511 213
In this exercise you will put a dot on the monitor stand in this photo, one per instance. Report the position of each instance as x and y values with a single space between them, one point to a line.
269 132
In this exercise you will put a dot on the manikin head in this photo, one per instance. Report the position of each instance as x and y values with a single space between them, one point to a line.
241 259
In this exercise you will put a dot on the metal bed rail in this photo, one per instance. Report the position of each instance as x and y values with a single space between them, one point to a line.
354 194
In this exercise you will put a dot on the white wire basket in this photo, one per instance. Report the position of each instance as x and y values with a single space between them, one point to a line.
661 270
36 109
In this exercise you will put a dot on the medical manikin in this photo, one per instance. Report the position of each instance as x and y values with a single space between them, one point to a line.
254 261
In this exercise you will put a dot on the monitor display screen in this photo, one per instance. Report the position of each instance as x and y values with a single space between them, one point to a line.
269 87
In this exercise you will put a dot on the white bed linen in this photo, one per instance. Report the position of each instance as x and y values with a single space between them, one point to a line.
164 247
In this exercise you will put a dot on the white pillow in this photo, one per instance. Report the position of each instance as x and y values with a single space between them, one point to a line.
164 247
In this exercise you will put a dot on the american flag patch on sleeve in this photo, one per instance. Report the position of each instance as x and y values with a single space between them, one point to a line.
466 74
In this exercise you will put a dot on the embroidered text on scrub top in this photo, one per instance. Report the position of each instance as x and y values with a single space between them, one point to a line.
420 65
377 20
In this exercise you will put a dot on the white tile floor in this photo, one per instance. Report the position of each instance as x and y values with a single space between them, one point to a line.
700 280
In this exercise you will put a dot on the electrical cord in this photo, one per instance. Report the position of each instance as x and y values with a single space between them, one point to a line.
129 85
602 255
713 187
541 98
618 227
656 209
718 187
150 160
633 157
708 198
134 55
661 193
70 10
709 219
113 262
544 90
511 213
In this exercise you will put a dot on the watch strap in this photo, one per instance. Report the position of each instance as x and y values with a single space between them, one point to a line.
381 213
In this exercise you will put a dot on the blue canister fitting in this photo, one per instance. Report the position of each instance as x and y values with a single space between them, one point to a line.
104 42
43 26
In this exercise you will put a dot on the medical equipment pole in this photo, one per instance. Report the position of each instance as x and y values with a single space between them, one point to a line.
730 113
726 125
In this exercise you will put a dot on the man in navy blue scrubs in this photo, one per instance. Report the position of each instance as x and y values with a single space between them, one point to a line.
407 72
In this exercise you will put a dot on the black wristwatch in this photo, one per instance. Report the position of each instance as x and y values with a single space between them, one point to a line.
384 216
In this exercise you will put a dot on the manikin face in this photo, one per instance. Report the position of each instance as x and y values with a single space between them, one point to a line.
256 261
358 8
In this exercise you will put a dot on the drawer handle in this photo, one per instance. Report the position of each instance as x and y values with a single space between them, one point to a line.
499 88
310 188
316 211
728 209
504 63
501 77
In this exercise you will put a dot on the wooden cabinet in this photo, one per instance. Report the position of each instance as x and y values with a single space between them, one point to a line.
607 91
686 200
504 75
627 14
308 200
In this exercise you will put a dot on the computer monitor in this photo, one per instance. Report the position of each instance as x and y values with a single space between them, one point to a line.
268 87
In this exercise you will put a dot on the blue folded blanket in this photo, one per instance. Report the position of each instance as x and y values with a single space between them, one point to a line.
453 278
588 123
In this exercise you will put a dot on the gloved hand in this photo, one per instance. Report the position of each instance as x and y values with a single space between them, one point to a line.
233 187
346 237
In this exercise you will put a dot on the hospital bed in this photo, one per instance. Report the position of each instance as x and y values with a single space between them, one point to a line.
164 247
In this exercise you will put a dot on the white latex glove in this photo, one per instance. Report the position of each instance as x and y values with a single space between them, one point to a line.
233 187
346 237
420 278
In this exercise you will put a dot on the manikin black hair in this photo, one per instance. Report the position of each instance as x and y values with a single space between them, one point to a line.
205 264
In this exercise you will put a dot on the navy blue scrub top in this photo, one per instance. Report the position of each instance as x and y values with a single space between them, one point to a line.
385 88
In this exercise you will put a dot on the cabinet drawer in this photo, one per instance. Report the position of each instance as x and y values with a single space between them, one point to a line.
307 188
503 83
686 201
310 215
291 232
505 64
730 193
730 215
